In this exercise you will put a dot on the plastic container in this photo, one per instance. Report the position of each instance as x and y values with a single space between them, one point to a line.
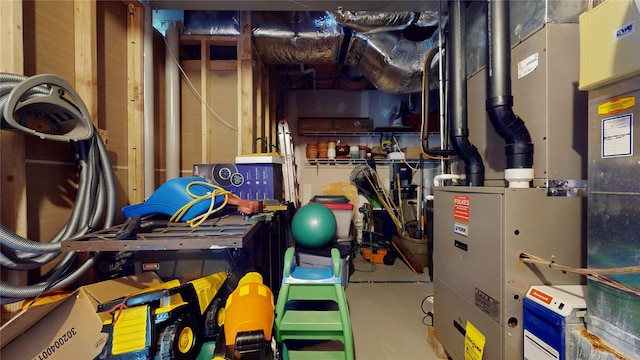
330 199
354 152
322 258
418 247
342 212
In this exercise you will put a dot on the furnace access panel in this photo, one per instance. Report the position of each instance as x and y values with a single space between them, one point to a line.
479 234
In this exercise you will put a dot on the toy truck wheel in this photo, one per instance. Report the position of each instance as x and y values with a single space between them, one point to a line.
180 340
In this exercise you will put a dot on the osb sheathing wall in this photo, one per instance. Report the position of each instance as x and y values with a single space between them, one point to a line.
51 46
226 104
223 146
79 42
97 48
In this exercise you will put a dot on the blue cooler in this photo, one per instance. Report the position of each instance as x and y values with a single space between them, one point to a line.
550 313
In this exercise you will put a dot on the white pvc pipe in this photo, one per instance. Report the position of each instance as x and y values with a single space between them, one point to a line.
437 178
172 83
309 71
149 97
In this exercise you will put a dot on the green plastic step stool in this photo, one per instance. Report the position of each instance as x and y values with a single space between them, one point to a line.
312 315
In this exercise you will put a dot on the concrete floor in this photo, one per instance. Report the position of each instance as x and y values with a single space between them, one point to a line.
388 306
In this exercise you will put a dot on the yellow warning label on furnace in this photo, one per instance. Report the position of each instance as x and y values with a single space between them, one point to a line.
473 343
616 105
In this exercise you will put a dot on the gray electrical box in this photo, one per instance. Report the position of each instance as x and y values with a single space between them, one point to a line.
479 235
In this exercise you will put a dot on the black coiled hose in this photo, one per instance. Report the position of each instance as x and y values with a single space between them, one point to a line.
95 204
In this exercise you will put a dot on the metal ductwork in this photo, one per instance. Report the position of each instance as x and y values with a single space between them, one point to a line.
519 148
373 43
391 62
370 22
221 23
380 50
297 37
458 128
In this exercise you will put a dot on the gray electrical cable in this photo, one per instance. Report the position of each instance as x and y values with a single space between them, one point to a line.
95 204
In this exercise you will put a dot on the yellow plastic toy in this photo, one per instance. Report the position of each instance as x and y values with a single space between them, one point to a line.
250 307
167 321
247 320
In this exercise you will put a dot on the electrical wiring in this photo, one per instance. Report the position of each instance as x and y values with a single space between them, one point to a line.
596 274
217 191
95 203
195 92
533 259
429 313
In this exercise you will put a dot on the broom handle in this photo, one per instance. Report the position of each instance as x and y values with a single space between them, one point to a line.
386 194
399 189
385 204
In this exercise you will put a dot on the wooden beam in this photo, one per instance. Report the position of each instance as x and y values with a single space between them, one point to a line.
214 65
205 54
13 207
85 50
135 53
273 102
212 40
257 103
266 113
245 86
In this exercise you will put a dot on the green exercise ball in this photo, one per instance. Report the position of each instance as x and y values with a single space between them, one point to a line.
313 225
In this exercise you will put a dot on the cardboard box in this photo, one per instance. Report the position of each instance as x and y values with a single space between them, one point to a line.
68 328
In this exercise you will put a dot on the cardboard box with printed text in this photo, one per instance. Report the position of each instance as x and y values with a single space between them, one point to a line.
70 328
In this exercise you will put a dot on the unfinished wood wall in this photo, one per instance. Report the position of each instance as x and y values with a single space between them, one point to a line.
216 138
226 104
115 111
97 47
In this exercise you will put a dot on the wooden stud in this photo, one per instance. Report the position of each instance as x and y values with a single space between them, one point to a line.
257 105
85 50
266 119
135 53
13 207
205 55
245 86
273 104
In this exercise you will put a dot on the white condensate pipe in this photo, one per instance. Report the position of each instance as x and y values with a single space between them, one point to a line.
149 144
437 178
172 84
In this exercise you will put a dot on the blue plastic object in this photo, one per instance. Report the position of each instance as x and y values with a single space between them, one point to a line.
171 196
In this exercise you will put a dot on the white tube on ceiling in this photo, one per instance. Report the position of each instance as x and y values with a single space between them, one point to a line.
172 84
149 115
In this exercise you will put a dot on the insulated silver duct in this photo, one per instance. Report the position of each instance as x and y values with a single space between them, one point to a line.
377 49
373 21
221 23
370 22
297 37
392 63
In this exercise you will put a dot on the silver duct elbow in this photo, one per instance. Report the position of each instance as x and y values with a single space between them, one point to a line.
390 61
297 37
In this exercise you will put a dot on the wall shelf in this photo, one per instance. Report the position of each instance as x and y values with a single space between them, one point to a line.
355 134
348 161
